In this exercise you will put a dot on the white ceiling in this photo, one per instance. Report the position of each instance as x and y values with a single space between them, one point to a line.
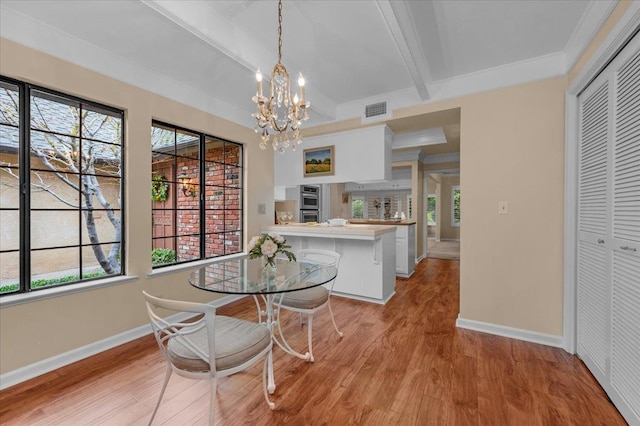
205 53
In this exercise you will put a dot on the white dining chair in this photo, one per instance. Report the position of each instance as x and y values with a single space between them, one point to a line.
189 342
309 301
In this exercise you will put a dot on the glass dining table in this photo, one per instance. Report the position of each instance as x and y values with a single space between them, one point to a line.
244 276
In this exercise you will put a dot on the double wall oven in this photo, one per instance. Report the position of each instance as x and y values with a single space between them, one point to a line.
309 203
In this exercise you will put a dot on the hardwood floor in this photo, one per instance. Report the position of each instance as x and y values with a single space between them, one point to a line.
401 364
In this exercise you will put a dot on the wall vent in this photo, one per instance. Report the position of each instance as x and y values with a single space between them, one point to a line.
376 111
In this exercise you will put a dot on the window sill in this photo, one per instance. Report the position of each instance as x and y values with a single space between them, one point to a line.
19 299
191 265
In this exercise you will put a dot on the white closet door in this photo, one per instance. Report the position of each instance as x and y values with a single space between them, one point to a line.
593 213
625 327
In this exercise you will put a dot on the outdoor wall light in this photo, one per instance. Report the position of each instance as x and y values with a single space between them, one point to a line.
185 184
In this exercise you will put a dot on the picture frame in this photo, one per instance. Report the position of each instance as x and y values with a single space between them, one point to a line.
318 161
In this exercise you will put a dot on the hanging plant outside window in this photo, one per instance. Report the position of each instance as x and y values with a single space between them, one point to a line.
159 188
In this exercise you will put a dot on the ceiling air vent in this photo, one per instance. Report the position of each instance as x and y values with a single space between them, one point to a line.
375 112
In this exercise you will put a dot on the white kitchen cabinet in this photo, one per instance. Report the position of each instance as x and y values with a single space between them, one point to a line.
405 250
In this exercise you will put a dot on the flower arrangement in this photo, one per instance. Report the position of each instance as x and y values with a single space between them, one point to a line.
268 246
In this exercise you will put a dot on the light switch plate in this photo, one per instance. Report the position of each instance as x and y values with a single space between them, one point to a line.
503 207
262 209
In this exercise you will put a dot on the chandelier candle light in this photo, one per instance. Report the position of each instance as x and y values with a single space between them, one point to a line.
279 112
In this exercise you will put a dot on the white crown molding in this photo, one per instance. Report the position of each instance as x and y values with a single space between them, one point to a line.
618 35
510 332
39 368
590 23
29 32
526 71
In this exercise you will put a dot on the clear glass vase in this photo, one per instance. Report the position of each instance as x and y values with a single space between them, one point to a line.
268 270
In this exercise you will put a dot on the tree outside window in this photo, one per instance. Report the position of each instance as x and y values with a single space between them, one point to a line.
70 160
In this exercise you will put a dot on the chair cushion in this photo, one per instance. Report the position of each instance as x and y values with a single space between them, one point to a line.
237 341
309 298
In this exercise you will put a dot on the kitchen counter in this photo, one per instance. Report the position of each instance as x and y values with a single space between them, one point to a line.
381 222
349 231
368 256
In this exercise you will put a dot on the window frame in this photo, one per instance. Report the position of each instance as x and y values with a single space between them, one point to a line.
26 91
454 222
202 185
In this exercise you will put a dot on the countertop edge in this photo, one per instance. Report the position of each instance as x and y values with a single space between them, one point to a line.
368 232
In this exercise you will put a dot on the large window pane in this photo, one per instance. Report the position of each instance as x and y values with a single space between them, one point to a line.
54 267
54 190
9 104
9 230
8 136
9 272
52 113
97 226
101 158
101 126
100 260
54 228
9 193
221 174
74 166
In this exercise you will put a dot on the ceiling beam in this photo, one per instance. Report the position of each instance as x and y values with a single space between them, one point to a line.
199 19
397 16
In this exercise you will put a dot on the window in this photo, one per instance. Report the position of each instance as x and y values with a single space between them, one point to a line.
66 154
431 209
455 205
196 191
357 207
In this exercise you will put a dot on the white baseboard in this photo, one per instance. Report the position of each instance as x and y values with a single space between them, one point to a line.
513 333
36 369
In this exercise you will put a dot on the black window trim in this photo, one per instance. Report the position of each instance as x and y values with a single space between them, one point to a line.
202 205
24 127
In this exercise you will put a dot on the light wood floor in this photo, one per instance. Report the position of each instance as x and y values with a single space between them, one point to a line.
400 364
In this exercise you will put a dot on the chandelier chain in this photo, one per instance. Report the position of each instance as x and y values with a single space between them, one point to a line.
279 31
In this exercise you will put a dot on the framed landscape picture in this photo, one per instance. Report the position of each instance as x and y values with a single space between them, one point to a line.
318 161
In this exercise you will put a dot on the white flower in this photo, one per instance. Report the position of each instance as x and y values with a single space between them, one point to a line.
269 248
253 242
276 237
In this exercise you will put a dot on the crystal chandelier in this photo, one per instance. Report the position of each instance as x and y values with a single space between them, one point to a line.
279 112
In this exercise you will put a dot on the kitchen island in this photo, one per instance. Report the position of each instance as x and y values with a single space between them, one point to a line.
368 257
405 242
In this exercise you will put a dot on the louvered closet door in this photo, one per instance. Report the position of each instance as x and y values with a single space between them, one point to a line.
593 227
625 326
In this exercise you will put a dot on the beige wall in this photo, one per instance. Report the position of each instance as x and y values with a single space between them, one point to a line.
511 265
447 231
35 331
